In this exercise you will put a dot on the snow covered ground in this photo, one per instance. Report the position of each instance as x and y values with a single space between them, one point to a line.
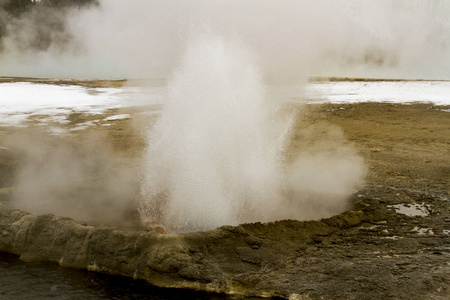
20 101
436 92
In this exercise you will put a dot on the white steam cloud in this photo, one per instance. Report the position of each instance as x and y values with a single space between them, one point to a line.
218 154
85 181
215 154
142 38
325 171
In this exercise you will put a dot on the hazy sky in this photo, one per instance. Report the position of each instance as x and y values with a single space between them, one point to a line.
289 39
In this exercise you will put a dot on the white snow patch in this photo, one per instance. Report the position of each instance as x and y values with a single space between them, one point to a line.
60 119
423 231
394 237
437 92
83 126
390 256
118 117
19 100
412 210
12 119
368 228
57 130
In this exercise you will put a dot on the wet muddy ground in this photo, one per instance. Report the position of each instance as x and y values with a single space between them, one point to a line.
399 250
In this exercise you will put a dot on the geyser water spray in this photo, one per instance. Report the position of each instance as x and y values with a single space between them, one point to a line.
216 155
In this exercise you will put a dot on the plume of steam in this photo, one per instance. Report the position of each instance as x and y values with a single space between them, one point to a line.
217 154
141 38
213 156
85 181
325 170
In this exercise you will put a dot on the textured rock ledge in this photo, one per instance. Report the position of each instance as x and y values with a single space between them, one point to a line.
226 260
357 254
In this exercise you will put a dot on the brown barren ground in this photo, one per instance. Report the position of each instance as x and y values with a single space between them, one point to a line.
403 145
383 255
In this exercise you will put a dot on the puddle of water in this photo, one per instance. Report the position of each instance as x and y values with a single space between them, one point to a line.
394 237
412 210
29 281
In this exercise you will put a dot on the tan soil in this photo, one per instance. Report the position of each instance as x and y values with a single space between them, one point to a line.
404 145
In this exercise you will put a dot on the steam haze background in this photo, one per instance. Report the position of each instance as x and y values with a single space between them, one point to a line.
291 39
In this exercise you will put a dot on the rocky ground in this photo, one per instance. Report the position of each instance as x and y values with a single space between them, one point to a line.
393 243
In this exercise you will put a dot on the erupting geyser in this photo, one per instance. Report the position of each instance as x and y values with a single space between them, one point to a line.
216 155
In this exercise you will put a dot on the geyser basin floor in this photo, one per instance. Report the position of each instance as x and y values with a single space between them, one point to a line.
378 255
369 253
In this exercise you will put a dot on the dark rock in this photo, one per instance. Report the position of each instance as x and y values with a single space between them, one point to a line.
370 253
253 241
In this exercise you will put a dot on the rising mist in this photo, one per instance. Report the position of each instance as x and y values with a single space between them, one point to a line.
218 153
82 179
292 39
